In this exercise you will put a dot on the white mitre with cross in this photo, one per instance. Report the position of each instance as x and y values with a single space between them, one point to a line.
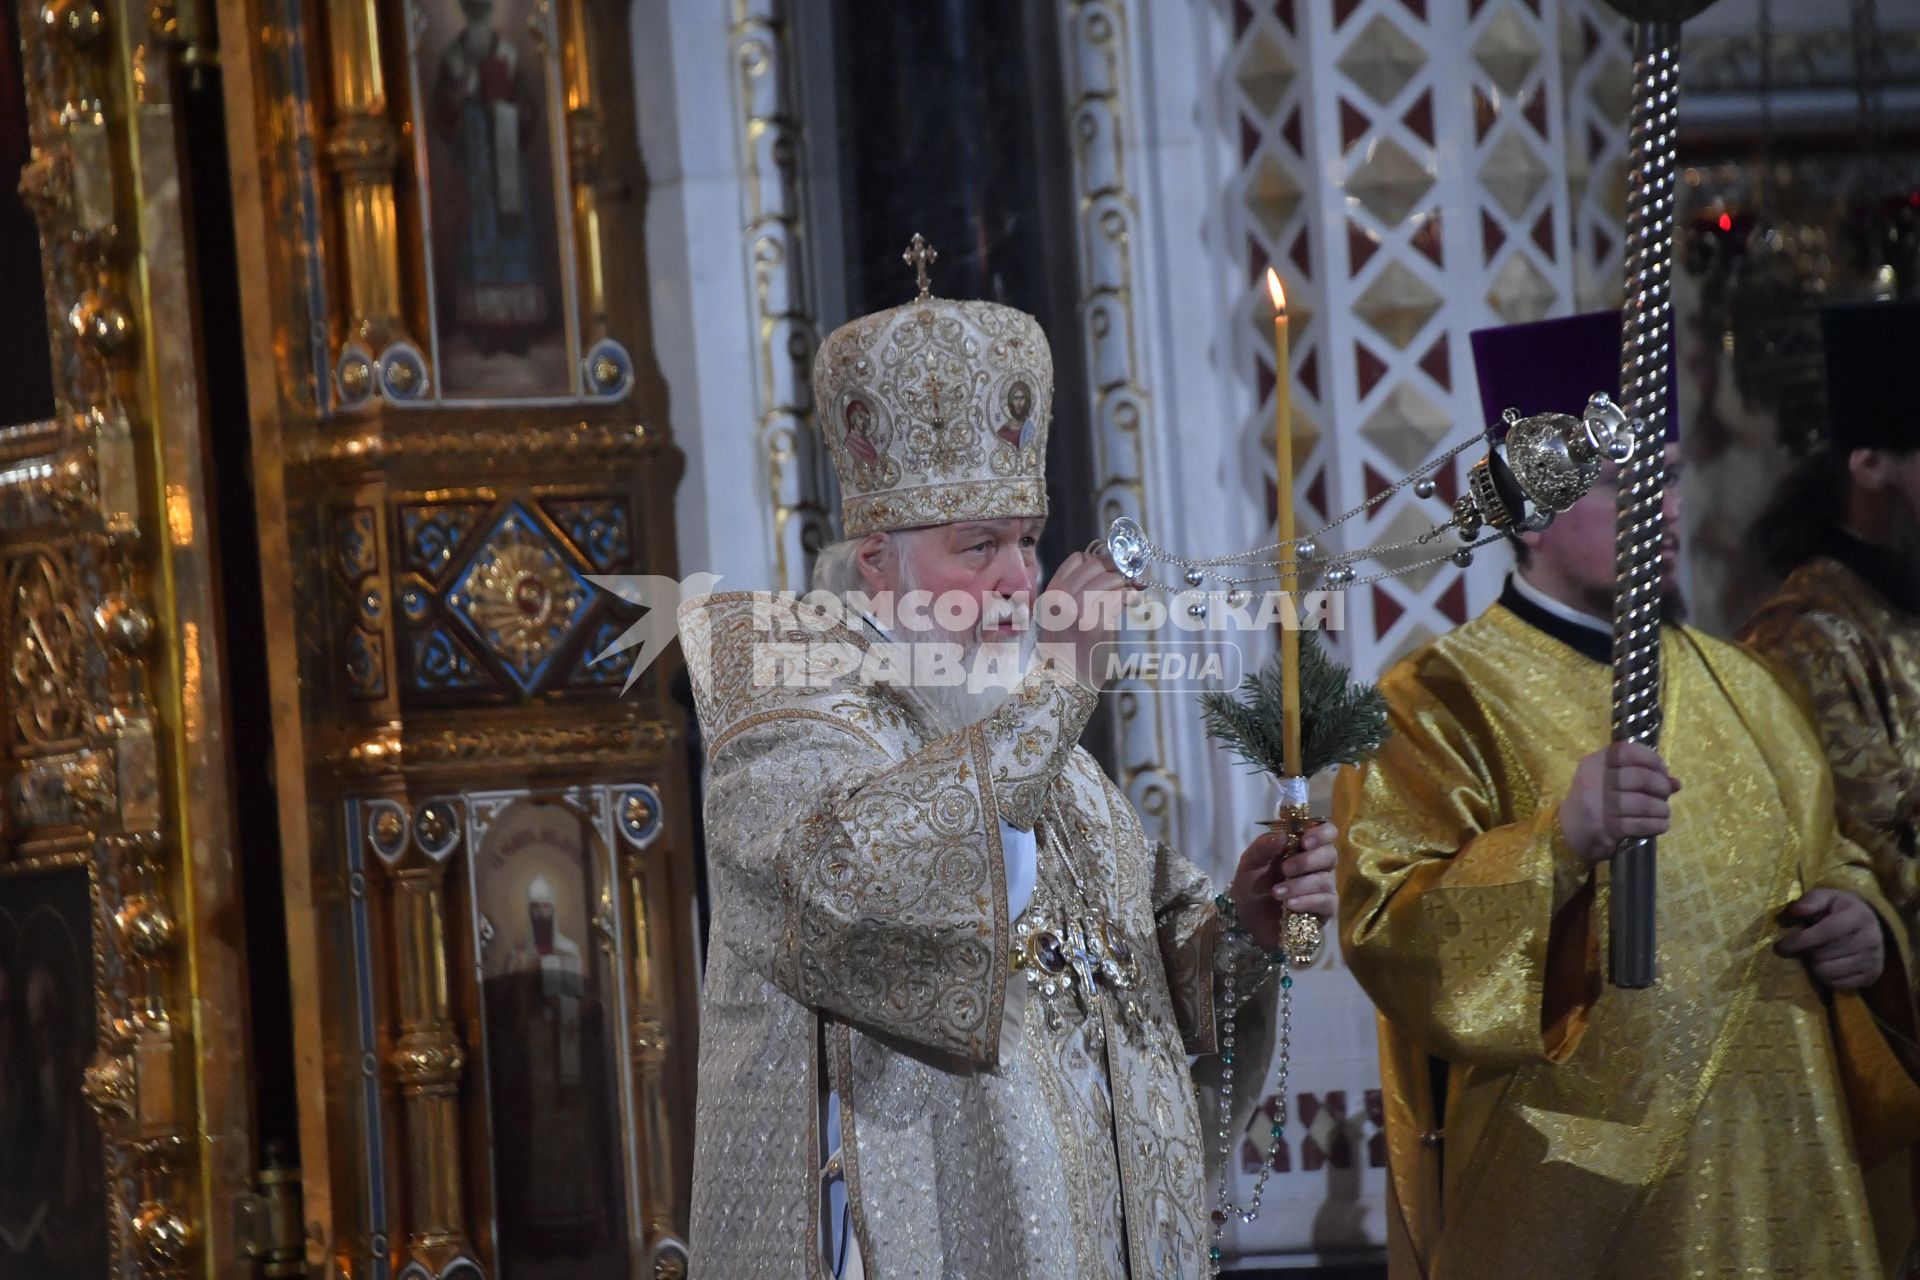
936 411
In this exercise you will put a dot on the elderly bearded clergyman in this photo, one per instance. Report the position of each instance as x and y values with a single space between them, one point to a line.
953 988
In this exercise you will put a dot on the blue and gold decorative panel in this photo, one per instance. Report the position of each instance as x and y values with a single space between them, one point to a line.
521 597
638 810
597 526
431 534
439 662
610 672
494 602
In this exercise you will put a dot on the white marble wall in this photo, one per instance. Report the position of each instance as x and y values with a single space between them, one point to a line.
728 285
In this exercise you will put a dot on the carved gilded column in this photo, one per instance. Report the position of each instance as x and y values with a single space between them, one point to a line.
607 365
428 1057
146 1039
638 816
115 754
74 773
586 147
362 149
132 1082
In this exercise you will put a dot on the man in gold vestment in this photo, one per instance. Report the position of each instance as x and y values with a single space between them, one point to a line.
952 985
1539 1122
1845 529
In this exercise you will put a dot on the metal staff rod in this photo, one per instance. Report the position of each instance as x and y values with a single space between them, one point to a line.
1646 341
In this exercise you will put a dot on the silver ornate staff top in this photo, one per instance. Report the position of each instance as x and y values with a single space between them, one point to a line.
1539 468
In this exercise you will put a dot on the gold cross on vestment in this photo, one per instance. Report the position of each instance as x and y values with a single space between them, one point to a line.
920 255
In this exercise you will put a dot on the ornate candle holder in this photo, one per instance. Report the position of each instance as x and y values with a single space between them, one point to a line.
1300 936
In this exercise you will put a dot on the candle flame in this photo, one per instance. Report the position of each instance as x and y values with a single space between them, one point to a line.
1279 294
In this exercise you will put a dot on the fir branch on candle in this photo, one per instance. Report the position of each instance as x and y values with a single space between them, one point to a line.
1341 720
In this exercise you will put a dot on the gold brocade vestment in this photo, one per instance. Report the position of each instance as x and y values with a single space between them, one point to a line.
1541 1123
1846 626
1857 652
861 943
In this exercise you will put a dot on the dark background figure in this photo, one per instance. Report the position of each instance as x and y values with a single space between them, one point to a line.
554 1101
52 1180
1856 484
484 106
496 206
1844 531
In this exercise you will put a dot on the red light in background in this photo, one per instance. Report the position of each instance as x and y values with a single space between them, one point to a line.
1726 222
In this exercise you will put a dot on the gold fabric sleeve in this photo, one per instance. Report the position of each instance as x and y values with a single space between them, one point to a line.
1189 930
1874 1029
876 885
1193 945
1473 937
1854 850
1830 669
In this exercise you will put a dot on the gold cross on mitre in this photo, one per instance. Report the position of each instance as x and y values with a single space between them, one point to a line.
920 255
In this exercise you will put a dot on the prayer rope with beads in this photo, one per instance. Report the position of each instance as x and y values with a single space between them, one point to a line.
1223 1202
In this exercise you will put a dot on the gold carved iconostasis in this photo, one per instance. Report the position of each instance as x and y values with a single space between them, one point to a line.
346 888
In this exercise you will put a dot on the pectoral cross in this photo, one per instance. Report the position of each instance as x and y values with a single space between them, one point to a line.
1081 946
1096 964
920 255
1083 952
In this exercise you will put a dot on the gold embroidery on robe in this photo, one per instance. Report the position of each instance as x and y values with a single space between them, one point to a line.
1855 658
1859 661
859 881
1696 1128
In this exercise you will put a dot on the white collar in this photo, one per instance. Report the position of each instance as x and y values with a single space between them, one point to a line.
1564 612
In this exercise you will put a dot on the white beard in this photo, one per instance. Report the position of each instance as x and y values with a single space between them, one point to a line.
949 708
994 667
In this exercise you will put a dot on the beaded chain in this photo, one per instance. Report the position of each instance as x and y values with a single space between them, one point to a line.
1134 551
1223 1202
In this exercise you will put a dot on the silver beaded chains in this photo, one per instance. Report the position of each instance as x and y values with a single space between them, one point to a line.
1133 551
1538 468
1223 1206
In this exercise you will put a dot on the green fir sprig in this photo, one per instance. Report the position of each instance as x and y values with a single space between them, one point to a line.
1341 720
